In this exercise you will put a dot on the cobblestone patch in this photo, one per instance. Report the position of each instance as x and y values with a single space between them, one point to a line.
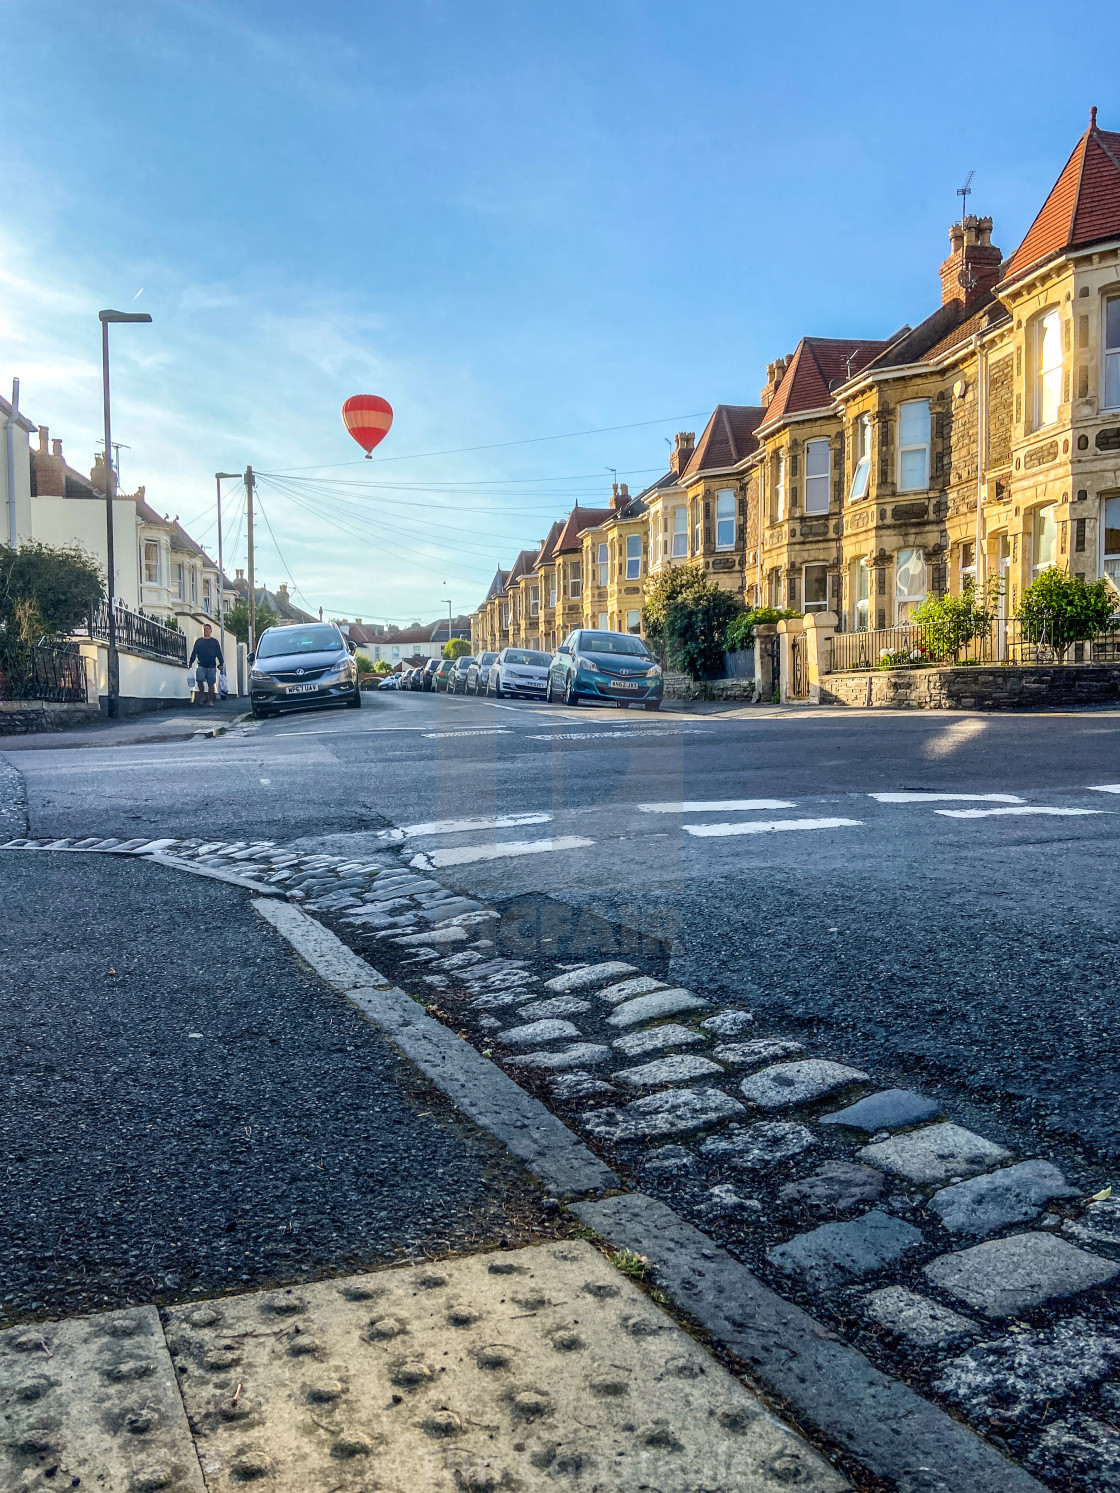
937 1154
673 1112
656 1039
650 1007
893 1109
681 1068
922 1322
787 1085
1099 1224
539 1031
754 1054
1016 1375
834 1188
728 1023
754 1147
838 1253
1015 1194
587 977
1008 1277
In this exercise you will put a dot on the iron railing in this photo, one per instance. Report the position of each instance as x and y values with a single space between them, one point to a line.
139 634
1004 642
44 671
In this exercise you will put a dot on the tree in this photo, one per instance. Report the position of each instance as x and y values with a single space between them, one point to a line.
456 648
951 622
1059 609
365 664
237 619
669 587
695 629
46 591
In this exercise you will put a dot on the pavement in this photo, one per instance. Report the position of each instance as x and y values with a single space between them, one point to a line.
946 961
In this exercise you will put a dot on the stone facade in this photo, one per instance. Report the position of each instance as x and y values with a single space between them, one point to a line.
1004 687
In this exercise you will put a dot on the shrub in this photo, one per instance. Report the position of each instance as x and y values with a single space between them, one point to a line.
456 648
237 619
365 664
1059 609
696 630
740 634
668 588
953 621
46 591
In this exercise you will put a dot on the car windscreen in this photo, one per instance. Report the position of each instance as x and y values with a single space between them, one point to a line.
488 658
464 663
281 640
612 642
523 656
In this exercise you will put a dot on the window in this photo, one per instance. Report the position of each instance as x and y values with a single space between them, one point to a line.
1044 540
552 589
816 476
861 442
816 588
1112 538
1048 368
862 591
194 584
913 446
725 518
396 653
604 622
534 601
779 487
151 562
968 567
680 533
910 582
604 566
575 581
206 600
180 582
633 622
1112 353
633 556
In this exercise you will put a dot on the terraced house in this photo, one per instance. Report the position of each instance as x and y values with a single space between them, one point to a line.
981 445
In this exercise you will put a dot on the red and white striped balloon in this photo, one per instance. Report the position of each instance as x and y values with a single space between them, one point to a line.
367 417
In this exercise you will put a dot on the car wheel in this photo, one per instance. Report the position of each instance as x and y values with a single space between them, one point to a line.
499 692
260 714
570 696
548 691
355 700
653 704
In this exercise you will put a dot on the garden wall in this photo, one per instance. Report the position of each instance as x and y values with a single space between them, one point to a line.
1000 687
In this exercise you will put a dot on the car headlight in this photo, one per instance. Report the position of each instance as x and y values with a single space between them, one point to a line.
257 677
654 673
586 663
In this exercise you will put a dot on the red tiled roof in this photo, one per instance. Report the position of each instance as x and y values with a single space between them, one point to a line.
521 566
544 554
578 520
728 438
818 362
1083 206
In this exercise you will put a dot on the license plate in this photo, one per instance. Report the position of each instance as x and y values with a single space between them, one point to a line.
621 684
301 689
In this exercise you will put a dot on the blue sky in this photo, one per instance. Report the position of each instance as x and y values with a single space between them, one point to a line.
512 220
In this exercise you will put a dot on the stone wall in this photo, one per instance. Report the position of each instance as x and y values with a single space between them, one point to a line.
681 687
1001 687
24 717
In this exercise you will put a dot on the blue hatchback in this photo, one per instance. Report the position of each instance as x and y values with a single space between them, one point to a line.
605 666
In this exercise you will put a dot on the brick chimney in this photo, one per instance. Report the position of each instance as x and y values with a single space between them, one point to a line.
282 592
775 372
682 450
44 439
97 473
973 265
620 496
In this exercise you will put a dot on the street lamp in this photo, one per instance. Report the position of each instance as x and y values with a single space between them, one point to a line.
234 477
105 317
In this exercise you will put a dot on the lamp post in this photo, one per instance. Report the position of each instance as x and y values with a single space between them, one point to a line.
114 677
218 477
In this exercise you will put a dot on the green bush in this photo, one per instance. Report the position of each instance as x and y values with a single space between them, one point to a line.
1059 609
670 587
365 664
46 591
951 622
740 634
696 630
456 648
237 619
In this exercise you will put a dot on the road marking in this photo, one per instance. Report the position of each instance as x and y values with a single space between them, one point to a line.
649 732
454 826
1106 788
921 798
482 731
718 805
1029 809
466 855
768 826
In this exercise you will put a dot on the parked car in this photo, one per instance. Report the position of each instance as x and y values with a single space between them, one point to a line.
457 679
416 679
442 674
479 672
301 665
518 671
428 673
605 666
391 681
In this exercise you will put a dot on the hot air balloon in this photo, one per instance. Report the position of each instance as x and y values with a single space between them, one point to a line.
367 417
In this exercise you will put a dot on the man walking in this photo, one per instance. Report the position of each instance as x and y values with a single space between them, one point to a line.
207 653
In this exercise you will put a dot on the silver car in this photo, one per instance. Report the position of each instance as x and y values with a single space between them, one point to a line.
300 665
479 673
519 671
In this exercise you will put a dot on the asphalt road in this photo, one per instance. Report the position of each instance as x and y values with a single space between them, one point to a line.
976 954
187 1109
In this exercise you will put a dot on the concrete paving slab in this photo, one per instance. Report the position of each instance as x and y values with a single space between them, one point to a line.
789 1084
590 975
505 1370
754 1054
673 1112
838 1253
650 1007
753 1147
1015 1194
682 1067
924 1323
937 1154
1006 1277
656 1039
93 1402
893 1109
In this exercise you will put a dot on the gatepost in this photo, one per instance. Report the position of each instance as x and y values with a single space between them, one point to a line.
819 629
787 631
766 675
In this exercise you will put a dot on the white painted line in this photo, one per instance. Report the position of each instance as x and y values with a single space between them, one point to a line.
1029 809
1106 788
715 805
483 731
768 826
456 826
650 733
922 798
466 855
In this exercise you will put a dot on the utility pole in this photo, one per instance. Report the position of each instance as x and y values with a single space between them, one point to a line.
218 476
10 453
250 482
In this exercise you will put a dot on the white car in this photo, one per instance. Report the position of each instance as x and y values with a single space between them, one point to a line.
519 671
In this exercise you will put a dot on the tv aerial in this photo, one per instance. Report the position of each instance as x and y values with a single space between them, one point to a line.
964 193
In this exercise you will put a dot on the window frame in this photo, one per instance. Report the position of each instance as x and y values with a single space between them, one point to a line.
634 626
575 581
180 581
633 560
1037 518
779 486
603 562
814 481
861 596
806 604
1110 559
908 598
534 601
1110 354
151 547
861 467
910 447
726 495
1041 374
679 531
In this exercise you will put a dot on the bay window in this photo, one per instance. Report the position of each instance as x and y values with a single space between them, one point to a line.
1111 398
1112 539
816 476
575 580
779 505
634 621
680 533
911 582
913 446
633 556
151 562
180 582
861 443
1048 368
604 622
725 518
534 601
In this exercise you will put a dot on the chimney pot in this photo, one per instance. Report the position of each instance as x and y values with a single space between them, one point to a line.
56 449
44 439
